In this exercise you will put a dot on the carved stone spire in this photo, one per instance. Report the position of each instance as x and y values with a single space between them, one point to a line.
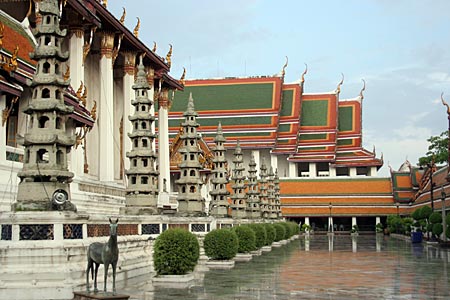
238 197
190 201
263 196
45 179
277 195
142 190
219 192
253 209
271 194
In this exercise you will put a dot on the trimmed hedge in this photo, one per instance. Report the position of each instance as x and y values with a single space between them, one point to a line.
260 234
435 218
176 252
221 244
246 237
280 232
271 233
287 230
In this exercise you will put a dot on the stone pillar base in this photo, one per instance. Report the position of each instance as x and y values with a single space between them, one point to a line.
220 212
98 295
139 204
38 196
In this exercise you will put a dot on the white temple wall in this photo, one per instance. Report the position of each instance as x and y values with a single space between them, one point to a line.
92 78
118 114
283 166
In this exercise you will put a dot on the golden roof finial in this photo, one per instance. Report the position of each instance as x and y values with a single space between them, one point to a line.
66 75
84 97
304 73
169 55
182 81
338 89
283 70
154 47
122 18
361 96
445 103
80 90
136 29
94 111
105 3
29 9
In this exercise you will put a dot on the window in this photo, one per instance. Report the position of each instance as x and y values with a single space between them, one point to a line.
40 156
144 180
58 123
45 93
145 162
59 157
46 68
43 122
144 143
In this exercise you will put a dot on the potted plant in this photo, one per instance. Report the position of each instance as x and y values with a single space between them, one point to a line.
355 230
221 245
379 228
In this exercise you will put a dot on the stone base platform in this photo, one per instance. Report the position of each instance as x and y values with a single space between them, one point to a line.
266 249
220 264
243 257
173 281
99 296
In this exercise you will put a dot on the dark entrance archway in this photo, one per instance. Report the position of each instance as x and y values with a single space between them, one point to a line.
319 223
366 223
342 223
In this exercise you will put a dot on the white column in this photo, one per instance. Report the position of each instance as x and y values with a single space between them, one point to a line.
377 220
352 172
354 221
163 141
256 155
373 171
3 133
307 220
128 96
330 223
312 170
76 77
106 110
292 170
332 172
58 232
274 162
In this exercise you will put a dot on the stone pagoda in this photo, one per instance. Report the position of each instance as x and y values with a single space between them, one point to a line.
271 193
190 201
45 179
277 195
142 191
238 197
219 193
263 196
253 209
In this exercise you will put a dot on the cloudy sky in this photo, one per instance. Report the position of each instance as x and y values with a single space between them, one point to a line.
400 47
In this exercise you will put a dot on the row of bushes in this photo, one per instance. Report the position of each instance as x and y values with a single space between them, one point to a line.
422 219
224 244
176 251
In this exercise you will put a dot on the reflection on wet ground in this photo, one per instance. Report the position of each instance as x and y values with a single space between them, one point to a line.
323 267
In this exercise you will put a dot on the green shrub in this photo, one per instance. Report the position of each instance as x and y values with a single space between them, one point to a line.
379 228
416 215
306 228
287 231
435 218
437 229
355 229
246 238
425 212
260 234
221 244
271 233
295 228
280 232
176 252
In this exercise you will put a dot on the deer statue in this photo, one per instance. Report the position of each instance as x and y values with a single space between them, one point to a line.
103 253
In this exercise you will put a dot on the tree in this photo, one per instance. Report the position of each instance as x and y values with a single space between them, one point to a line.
437 150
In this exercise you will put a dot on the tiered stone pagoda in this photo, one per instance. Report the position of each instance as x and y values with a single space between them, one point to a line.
253 209
238 197
277 195
190 200
219 193
142 191
263 187
45 179
271 194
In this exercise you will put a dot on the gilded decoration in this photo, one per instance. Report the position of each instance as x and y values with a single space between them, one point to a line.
445 104
115 51
122 18
66 75
130 62
136 29
78 32
87 44
7 110
182 80
338 89
283 70
169 56
9 64
94 111
154 47
304 73
150 76
361 95
106 44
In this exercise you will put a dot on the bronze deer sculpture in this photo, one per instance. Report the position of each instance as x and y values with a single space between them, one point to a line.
103 253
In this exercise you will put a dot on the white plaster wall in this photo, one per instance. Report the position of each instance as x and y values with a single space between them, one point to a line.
118 113
283 166
91 76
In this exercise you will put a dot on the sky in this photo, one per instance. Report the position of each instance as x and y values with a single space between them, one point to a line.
399 47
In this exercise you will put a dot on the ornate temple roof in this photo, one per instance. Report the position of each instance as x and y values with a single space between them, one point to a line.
265 113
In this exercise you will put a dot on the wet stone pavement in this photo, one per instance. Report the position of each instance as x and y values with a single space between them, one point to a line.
323 267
